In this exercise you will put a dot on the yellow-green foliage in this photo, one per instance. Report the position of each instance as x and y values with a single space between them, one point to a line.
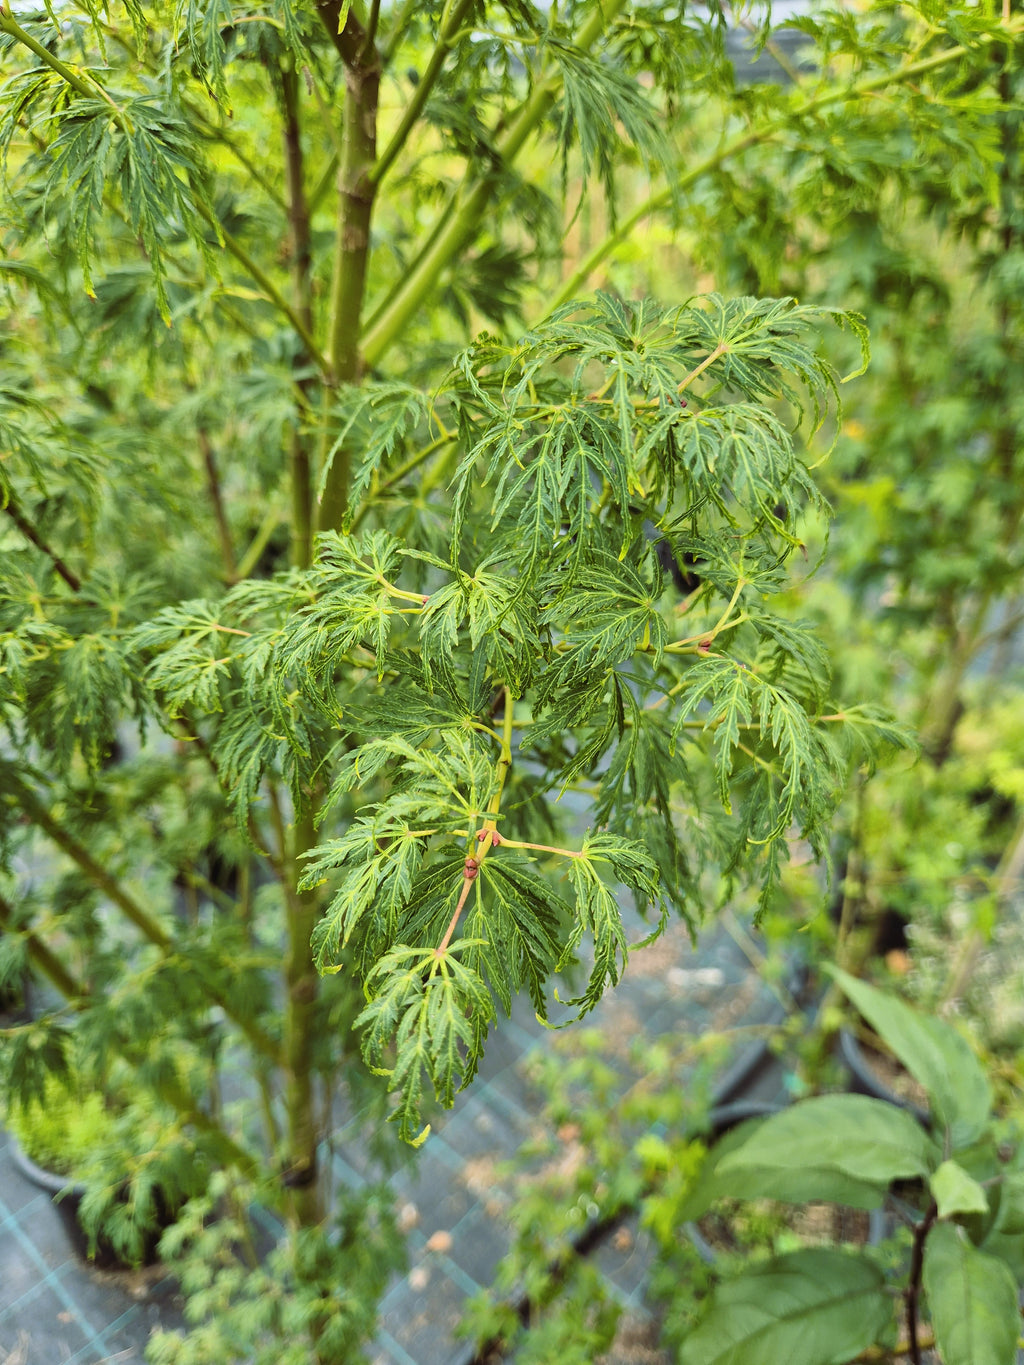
60 1131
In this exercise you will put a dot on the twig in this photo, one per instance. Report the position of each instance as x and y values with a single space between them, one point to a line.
421 94
31 534
720 350
213 487
913 1290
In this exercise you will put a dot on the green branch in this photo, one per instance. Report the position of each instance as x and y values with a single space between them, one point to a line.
398 32
270 289
760 133
81 82
47 961
422 92
356 194
271 521
301 252
150 928
462 215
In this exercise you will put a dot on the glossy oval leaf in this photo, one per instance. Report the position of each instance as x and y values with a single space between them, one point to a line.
934 1054
811 1307
972 1299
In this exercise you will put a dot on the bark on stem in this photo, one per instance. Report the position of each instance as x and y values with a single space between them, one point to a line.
302 983
32 535
356 193
300 250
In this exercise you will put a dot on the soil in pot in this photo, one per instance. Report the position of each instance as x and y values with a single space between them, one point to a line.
875 1071
740 1226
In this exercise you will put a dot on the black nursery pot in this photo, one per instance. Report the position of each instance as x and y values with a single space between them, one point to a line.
863 1080
67 1196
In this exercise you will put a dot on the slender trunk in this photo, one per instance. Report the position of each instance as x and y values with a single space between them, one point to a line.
300 251
356 192
302 983
300 1174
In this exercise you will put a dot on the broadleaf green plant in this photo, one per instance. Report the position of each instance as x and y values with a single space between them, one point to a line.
964 1268
376 586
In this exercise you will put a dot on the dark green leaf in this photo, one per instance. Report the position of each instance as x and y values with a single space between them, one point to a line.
814 1307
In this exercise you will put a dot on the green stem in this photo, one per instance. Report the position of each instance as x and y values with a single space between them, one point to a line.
356 193
299 460
422 92
267 527
270 289
462 215
397 475
542 848
370 37
83 84
398 31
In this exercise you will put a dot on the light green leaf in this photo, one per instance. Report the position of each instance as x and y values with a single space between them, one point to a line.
598 910
843 1148
972 1299
436 1012
820 1307
933 1052
853 1135
957 1192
